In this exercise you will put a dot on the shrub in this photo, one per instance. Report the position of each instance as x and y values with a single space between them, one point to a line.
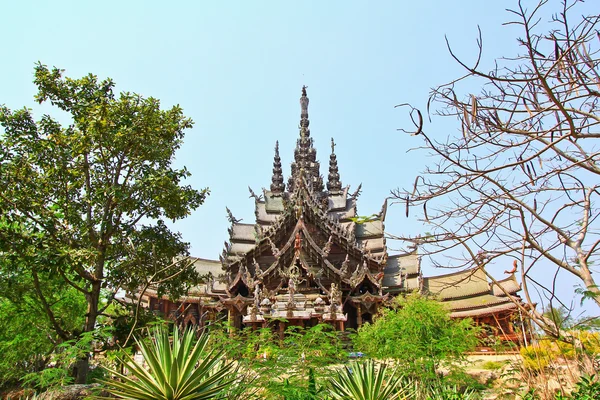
419 334
492 365
368 381
177 370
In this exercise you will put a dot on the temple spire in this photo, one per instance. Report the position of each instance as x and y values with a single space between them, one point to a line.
277 185
305 155
334 185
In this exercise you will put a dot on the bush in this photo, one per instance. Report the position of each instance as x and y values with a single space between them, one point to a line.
588 388
367 380
539 356
419 334
492 365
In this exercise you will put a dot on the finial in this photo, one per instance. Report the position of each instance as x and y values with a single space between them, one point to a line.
304 109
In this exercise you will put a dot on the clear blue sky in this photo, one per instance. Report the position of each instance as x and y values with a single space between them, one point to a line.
237 68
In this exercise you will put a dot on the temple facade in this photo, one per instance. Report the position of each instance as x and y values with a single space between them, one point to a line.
309 258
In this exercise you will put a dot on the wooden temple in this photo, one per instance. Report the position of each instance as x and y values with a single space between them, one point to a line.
306 260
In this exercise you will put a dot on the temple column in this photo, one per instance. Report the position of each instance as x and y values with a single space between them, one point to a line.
281 330
230 321
359 315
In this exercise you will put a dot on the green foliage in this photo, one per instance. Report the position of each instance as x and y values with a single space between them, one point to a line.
361 219
290 391
539 356
588 388
492 365
81 206
27 340
451 392
587 293
183 369
293 367
368 380
559 316
419 334
58 372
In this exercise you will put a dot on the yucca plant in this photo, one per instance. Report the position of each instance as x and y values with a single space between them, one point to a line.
368 380
451 392
180 369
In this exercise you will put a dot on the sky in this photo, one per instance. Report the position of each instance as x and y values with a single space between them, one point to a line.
237 68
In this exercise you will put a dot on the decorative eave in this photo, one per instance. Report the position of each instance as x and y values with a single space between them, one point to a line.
485 311
368 300
239 302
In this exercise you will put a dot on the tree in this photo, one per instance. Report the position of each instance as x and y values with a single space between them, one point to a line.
84 202
518 184
419 334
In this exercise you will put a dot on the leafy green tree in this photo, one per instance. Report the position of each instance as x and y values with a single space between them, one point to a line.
84 202
419 334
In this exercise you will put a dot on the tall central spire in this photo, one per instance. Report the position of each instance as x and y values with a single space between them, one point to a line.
305 156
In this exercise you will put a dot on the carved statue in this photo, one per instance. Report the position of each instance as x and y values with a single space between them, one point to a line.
335 295
257 295
292 287
253 313
327 247
344 268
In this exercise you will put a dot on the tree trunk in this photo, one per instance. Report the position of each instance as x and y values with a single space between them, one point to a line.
82 366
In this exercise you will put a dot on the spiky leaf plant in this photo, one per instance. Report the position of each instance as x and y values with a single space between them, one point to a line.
368 380
177 370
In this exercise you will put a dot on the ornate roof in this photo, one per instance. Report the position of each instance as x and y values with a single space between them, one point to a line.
300 222
333 210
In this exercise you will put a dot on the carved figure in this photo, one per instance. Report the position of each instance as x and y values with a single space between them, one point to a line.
344 268
257 295
297 244
292 287
335 295
327 247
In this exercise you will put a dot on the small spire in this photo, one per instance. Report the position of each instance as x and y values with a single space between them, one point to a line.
334 185
277 185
